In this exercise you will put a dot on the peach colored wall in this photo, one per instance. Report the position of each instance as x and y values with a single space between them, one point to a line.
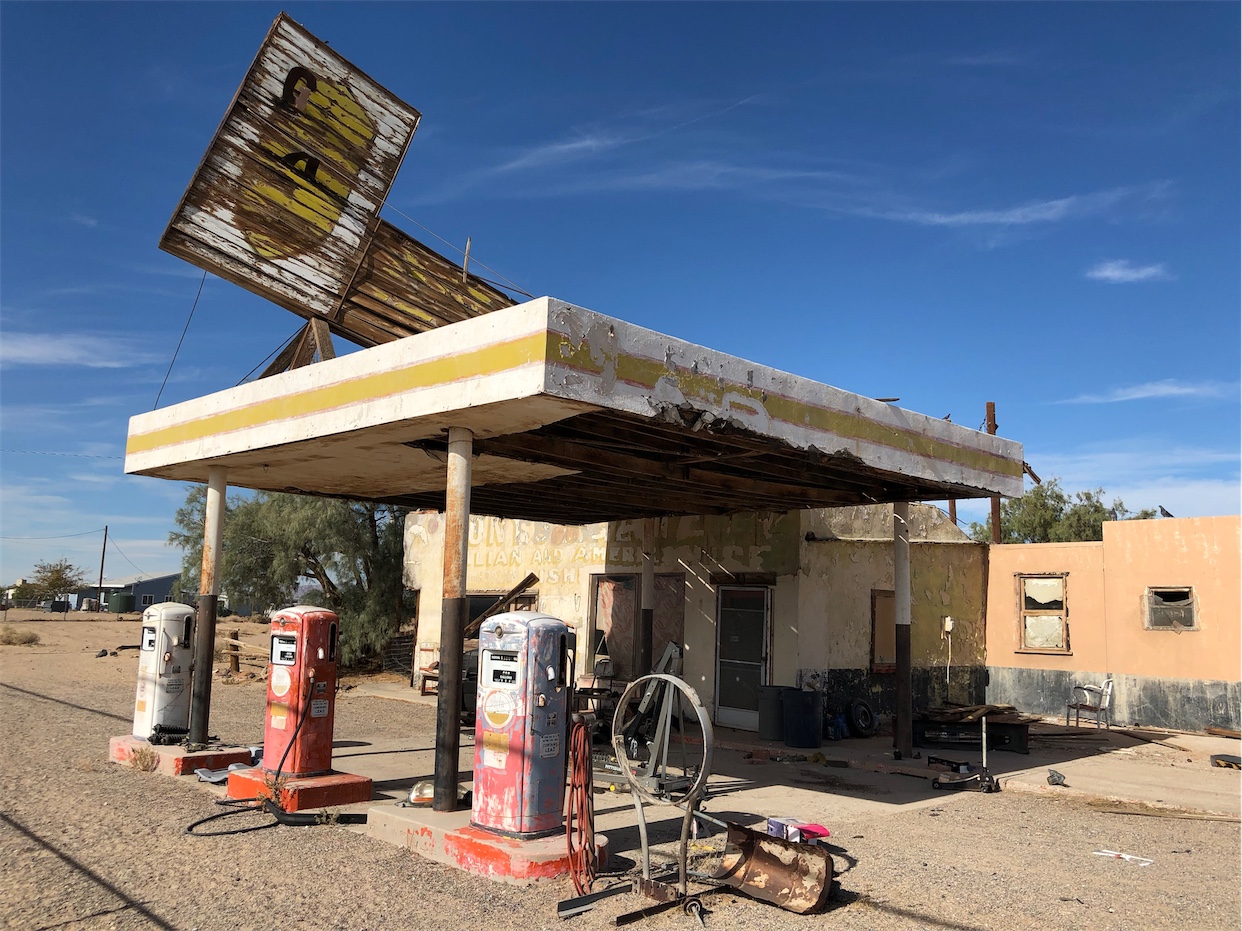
1084 602
1105 598
1202 552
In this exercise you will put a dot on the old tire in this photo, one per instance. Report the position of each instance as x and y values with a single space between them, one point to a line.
862 718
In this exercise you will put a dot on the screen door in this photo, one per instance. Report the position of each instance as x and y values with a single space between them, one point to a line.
741 655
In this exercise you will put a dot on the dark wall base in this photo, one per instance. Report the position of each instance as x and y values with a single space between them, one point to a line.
966 686
1177 704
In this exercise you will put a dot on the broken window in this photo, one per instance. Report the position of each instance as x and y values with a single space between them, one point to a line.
1171 609
1042 613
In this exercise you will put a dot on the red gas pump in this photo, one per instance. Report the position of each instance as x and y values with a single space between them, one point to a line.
301 692
297 735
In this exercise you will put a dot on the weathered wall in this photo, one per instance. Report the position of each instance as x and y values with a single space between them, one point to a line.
1084 603
1186 679
1202 552
821 590
837 577
723 548
501 554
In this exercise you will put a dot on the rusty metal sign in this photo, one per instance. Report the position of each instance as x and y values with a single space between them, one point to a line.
286 200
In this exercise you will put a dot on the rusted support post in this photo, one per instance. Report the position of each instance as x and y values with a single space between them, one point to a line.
234 652
996 517
903 729
452 618
209 591
646 621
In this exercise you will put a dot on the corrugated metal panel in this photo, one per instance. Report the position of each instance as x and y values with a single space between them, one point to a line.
285 201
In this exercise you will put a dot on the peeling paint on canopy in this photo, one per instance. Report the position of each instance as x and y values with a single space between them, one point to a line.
578 417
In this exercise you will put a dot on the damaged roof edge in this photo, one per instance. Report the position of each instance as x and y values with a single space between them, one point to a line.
602 360
514 373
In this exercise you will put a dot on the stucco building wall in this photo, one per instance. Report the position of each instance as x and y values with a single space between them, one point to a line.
1179 678
820 621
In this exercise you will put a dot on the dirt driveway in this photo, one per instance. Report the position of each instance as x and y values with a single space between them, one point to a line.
92 845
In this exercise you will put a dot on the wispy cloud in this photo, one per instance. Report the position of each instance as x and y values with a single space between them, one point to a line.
536 165
1144 471
83 220
173 268
552 154
1165 388
998 58
1122 271
703 175
1057 209
101 352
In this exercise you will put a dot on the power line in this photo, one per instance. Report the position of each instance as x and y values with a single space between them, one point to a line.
63 536
508 283
269 355
44 452
126 558
202 281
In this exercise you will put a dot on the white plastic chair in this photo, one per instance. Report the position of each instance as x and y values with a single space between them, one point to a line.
1095 701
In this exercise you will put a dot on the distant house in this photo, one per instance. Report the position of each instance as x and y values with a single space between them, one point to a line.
1154 605
147 590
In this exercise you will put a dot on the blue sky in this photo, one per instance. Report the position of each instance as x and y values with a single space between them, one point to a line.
1036 204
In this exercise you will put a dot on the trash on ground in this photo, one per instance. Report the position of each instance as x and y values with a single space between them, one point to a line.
1128 857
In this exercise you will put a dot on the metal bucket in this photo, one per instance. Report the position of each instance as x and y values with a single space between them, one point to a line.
797 877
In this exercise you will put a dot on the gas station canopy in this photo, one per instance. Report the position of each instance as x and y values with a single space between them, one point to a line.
577 418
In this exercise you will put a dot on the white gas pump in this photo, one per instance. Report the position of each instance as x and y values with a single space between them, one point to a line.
162 705
526 664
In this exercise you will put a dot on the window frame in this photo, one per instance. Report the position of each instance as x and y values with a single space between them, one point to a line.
1023 613
147 600
1149 604
882 668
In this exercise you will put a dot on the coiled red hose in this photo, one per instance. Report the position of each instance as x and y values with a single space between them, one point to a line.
580 810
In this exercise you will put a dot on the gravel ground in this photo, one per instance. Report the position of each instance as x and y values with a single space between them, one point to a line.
88 844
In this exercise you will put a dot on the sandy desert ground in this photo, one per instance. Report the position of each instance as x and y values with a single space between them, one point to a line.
88 844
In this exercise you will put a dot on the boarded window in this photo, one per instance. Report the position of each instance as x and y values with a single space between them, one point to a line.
668 621
616 614
1043 615
883 632
1171 609
615 620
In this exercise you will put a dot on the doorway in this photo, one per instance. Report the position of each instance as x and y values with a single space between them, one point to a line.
742 617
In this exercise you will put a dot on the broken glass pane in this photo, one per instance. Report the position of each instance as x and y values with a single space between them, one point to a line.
1043 632
1043 593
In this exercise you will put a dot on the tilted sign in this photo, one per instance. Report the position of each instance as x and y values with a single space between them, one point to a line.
286 201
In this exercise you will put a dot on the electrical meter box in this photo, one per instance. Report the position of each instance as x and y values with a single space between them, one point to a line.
526 664
165 655
301 691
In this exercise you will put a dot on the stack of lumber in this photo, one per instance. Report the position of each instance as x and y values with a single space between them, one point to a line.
965 714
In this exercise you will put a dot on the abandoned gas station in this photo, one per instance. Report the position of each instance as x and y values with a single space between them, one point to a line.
700 489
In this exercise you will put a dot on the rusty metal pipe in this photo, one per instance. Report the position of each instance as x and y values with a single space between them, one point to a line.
903 731
454 607
646 646
996 502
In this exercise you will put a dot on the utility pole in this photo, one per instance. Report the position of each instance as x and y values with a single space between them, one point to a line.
102 556
996 517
